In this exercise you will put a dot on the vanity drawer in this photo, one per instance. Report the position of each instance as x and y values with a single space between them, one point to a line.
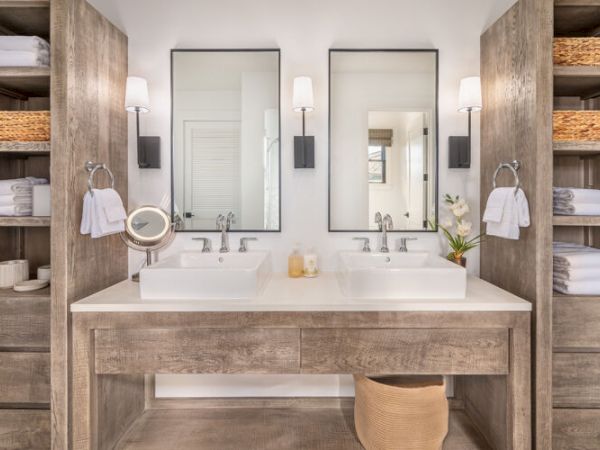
197 350
25 323
575 323
25 378
405 351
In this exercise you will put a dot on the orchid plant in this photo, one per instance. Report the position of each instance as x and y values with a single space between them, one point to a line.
459 242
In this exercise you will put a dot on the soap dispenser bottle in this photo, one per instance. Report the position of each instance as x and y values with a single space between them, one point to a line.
296 263
311 268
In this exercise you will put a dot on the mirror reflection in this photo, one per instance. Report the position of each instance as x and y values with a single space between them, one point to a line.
226 146
383 147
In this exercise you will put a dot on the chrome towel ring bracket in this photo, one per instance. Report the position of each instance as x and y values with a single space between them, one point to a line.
514 167
92 168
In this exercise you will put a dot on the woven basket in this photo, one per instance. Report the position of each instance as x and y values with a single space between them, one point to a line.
576 126
410 413
577 51
24 126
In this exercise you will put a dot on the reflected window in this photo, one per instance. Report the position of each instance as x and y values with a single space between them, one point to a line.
377 168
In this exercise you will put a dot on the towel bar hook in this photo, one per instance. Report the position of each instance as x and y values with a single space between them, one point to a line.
514 167
92 167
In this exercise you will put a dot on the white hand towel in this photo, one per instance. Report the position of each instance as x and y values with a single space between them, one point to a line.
23 43
515 214
24 58
108 213
578 209
86 215
587 287
575 195
495 204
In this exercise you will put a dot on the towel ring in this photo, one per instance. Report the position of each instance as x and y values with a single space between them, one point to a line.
513 167
92 168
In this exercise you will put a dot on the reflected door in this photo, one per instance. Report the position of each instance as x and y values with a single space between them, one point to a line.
416 169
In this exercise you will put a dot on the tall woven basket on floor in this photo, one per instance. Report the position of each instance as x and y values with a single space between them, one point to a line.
401 413
25 126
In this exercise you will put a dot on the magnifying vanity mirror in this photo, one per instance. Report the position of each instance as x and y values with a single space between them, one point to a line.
383 120
226 139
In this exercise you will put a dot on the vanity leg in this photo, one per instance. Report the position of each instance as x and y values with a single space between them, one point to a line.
83 388
519 386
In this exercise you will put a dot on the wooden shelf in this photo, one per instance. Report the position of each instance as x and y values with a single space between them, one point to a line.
27 221
576 81
576 148
28 148
32 295
25 17
269 428
576 17
576 221
25 81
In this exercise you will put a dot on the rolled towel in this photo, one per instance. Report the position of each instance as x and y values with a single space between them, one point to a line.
23 43
24 59
578 209
575 195
587 287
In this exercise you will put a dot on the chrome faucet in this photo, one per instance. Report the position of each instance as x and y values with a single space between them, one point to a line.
366 243
223 224
403 248
384 224
244 243
206 244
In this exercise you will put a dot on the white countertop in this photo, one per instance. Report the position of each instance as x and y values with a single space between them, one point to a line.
302 294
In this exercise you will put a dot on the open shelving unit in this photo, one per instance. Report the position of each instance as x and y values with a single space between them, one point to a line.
25 317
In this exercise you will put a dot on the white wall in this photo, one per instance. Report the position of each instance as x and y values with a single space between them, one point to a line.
304 31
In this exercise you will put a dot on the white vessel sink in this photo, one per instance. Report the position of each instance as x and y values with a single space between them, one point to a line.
411 275
195 275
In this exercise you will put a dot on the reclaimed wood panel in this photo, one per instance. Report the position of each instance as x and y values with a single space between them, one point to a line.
576 380
516 123
576 322
576 429
401 351
24 429
25 322
24 378
121 351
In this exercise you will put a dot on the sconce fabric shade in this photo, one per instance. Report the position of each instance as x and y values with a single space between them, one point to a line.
136 95
303 99
469 97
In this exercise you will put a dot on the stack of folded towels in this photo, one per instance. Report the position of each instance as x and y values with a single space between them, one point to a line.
576 269
103 213
576 202
16 196
24 51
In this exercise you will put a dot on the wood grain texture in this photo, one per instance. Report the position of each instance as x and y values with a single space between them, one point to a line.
576 221
267 429
576 148
88 76
26 81
24 378
517 84
24 148
25 17
25 322
197 351
576 322
485 401
24 429
25 221
576 380
422 351
576 429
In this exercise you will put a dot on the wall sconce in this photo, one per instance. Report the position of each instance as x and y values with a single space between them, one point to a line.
304 146
469 100
137 101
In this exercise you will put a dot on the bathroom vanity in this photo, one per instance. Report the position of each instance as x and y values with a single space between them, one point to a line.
294 326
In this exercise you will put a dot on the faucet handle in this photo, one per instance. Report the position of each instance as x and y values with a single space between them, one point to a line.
403 242
379 220
366 243
244 243
219 221
230 219
388 223
206 244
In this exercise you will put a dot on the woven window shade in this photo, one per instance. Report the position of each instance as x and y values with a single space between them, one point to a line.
378 137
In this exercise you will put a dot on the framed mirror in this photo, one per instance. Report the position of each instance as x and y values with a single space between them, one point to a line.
225 145
383 138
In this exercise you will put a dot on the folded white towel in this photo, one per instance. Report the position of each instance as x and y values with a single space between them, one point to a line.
23 43
103 213
587 287
20 185
578 209
514 214
568 274
19 58
577 260
11 200
16 210
575 195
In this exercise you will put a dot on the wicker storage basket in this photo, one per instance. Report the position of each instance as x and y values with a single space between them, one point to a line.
408 413
24 126
577 51
576 126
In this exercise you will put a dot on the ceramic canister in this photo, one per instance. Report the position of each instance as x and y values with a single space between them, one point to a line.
12 272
